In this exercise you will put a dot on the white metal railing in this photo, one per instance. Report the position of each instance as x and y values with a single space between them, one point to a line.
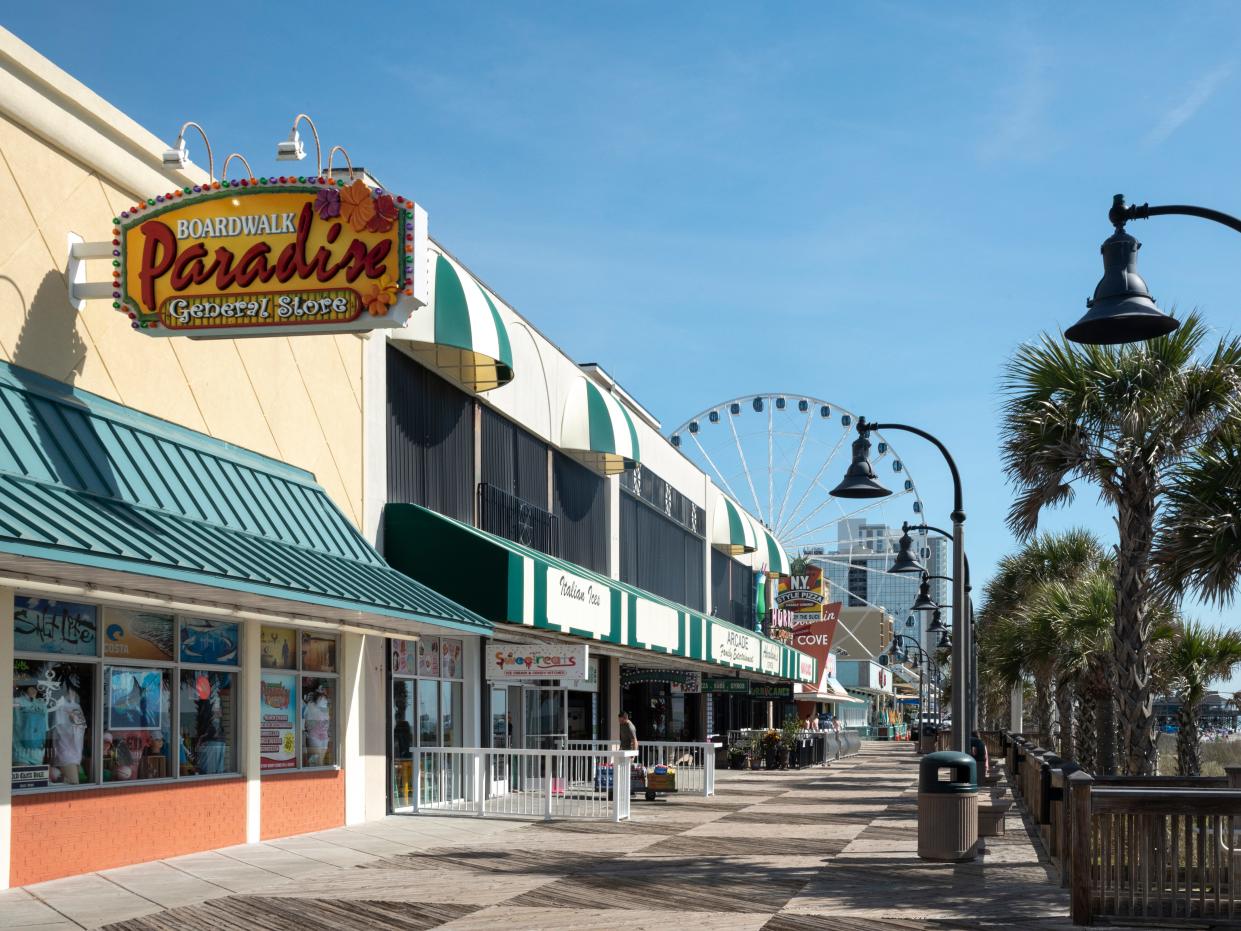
694 760
547 784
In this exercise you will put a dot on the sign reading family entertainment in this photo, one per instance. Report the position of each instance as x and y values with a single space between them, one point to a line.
269 257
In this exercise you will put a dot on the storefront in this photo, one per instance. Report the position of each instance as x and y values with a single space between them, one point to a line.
652 656
871 684
180 655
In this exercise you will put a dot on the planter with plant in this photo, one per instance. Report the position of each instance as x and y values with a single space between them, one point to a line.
736 757
771 747
788 739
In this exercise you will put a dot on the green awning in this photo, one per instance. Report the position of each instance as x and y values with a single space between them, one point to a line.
731 530
461 333
777 559
90 489
596 428
508 583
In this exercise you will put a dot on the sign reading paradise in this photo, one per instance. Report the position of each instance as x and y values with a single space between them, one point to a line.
269 257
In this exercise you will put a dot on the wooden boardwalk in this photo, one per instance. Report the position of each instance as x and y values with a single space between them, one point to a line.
817 849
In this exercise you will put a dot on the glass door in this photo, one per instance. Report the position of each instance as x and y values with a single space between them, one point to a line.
501 739
402 744
545 718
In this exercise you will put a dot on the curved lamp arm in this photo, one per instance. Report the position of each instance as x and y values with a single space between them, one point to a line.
190 124
1120 214
314 131
239 157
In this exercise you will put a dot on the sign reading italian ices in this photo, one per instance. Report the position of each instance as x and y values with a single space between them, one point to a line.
269 257
734 647
578 603
536 661
277 725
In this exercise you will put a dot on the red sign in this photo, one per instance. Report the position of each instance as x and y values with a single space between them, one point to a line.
816 639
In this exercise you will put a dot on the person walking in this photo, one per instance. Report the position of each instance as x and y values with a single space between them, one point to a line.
628 733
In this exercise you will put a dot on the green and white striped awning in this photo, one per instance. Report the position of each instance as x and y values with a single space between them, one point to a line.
462 333
731 530
596 429
514 586
777 559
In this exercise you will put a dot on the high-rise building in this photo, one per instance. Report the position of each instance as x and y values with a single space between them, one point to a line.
857 573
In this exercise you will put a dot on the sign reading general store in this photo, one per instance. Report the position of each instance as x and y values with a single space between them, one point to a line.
269 257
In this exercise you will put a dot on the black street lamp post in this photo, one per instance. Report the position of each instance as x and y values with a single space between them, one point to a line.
1122 309
860 482
898 651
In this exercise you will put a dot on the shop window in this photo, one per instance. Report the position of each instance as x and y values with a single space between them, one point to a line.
427 703
104 695
208 722
298 700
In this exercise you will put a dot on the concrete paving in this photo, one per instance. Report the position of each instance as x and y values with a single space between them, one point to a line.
831 848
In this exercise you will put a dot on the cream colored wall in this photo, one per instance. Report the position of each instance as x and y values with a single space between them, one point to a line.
297 399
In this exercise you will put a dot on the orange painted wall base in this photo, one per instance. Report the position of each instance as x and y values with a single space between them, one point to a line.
59 834
297 803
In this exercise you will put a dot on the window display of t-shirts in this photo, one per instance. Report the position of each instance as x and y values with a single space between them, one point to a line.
51 723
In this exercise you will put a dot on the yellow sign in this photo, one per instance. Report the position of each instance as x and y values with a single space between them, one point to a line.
269 256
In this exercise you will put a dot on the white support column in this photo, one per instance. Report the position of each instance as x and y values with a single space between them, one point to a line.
1016 713
251 702
6 736
473 731
352 717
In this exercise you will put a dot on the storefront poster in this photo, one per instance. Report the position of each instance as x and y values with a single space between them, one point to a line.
135 699
536 661
269 257
212 643
429 657
41 625
404 657
278 724
278 648
802 595
135 635
450 658
318 653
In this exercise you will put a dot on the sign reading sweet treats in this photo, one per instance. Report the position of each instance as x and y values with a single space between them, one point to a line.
269 257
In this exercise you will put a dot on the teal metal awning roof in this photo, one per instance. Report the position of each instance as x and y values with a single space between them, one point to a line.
515 586
102 488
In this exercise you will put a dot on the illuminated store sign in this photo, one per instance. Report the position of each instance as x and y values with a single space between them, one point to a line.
269 257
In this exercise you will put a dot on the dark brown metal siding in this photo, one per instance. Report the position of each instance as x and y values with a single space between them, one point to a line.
430 440
659 556
513 460
732 590
580 501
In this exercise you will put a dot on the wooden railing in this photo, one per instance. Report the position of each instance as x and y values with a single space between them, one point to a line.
1145 849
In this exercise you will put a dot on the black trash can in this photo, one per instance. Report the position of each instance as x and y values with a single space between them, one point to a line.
947 806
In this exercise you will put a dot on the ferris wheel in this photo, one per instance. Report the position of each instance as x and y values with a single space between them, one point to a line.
779 455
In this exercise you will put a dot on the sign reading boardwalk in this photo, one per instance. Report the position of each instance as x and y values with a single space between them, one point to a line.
269 257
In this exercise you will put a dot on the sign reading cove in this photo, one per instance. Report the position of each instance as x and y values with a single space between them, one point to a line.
269 257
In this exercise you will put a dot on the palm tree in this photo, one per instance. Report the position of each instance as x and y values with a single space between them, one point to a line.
1199 543
1123 418
1197 657
1010 642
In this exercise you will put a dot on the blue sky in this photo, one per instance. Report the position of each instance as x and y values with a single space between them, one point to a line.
693 194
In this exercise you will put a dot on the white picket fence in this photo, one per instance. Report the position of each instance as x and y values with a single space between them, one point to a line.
590 784
694 760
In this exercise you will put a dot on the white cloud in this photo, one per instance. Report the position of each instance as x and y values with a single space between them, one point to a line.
1199 93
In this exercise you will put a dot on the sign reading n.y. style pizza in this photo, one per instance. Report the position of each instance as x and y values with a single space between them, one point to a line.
536 661
269 257
801 595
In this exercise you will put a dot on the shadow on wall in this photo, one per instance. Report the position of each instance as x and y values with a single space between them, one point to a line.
49 345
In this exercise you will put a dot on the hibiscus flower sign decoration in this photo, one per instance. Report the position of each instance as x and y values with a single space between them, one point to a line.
269 257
